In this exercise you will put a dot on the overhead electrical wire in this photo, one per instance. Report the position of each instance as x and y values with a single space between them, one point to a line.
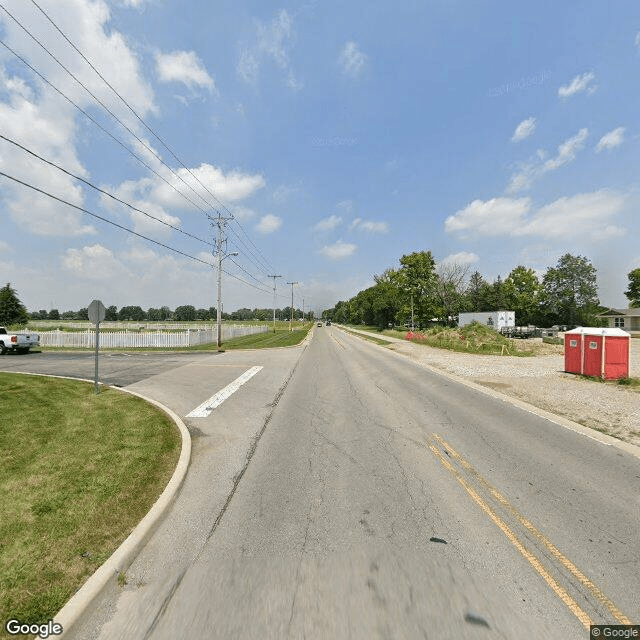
248 250
249 253
106 193
123 228
162 142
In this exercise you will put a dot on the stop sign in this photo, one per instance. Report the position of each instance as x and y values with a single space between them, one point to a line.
96 311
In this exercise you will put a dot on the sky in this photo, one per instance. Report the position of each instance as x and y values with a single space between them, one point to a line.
330 138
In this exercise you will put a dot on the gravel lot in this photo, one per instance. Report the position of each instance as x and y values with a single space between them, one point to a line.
541 381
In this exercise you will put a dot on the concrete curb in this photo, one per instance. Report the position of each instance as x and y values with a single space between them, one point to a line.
120 560
602 438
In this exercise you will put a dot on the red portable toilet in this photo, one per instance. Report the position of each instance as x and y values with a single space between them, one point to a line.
593 351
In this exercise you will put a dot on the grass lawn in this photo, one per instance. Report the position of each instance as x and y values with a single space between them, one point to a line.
281 338
77 474
379 341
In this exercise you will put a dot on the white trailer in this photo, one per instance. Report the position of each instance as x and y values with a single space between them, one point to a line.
497 320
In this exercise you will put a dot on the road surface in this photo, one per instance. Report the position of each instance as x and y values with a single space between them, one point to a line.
346 492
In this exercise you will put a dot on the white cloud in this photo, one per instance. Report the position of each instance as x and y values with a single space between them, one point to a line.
529 172
338 250
524 130
567 151
94 262
497 216
42 121
578 84
611 140
185 67
370 225
272 44
351 59
585 214
460 258
326 224
637 40
268 224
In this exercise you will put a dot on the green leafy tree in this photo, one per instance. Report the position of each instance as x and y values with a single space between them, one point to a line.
570 292
476 292
134 313
111 313
12 311
522 295
633 292
417 278
54 314
184 313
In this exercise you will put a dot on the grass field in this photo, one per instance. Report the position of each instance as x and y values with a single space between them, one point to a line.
474 338
78 471
281 338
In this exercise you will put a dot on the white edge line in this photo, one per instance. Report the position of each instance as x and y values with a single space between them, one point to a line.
602 438
71 613
205 408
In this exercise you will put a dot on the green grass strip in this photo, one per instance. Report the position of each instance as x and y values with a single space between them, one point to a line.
78 471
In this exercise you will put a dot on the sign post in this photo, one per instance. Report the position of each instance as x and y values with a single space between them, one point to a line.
97 313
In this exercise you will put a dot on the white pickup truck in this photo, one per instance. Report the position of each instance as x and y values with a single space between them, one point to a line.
18 342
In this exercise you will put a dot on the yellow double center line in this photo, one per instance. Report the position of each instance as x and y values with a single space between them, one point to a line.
528 555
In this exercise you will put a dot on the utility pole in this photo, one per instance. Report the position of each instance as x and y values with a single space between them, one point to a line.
292 283
274 300
220 253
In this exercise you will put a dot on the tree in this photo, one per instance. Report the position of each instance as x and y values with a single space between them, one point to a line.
134 313
12 311
111 313
184 313
522 295
450 287
417 277
475 292
570 291
633 292
54 314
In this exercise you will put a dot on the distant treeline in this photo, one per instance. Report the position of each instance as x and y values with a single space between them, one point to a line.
181 314
567 294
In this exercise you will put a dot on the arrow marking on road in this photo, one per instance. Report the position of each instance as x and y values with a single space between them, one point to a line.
203 410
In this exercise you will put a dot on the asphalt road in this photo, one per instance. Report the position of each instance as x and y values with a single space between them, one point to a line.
346 492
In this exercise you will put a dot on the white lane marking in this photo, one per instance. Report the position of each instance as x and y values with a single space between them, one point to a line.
203 410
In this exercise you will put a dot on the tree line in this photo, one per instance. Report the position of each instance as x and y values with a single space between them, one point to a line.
12 311
565 295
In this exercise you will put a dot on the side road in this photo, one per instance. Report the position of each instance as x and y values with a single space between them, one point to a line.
540 381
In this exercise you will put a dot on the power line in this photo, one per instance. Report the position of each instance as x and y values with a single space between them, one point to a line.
141 120
123 228
106 193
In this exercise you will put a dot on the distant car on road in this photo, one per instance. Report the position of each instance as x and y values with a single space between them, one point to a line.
319 324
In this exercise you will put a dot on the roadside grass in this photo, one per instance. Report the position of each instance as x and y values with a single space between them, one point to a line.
281 338
474 338
633 384
78 471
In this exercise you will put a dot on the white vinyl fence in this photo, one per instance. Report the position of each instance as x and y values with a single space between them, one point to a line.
120 339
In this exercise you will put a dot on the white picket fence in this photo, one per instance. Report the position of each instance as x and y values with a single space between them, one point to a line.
122 339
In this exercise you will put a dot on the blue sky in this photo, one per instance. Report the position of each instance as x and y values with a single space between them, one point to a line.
340 136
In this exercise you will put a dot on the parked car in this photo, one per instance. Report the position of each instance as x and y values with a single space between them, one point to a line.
17 342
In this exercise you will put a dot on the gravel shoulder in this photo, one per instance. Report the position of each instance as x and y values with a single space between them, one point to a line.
541 381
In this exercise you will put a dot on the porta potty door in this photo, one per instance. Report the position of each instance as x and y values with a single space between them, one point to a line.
616 364
592 356
573 353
